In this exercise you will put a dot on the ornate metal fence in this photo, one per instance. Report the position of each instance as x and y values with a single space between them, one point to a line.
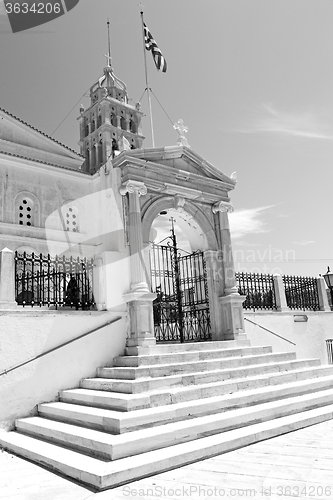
301 292
181 309
42 280
258 289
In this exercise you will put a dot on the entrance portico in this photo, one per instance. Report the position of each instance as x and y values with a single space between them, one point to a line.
177 180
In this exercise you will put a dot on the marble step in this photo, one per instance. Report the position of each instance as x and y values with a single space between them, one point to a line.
129 402
115 447
104 399
184 356
159 370
188 379
117 422
102 475
161 348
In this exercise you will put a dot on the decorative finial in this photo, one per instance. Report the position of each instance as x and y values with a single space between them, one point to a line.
181 129
233 176
81 109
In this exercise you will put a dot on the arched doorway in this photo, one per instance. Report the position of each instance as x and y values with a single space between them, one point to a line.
178 277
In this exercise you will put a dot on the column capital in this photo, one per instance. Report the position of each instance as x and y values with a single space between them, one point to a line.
133 187
222 206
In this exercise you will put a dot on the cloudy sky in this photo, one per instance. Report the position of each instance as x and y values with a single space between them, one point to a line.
252 80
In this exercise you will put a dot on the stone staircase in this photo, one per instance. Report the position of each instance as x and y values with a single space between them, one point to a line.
160 407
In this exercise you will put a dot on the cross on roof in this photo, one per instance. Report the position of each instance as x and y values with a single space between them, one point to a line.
181 129
108 60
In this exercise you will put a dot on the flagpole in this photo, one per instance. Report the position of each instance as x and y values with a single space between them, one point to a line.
147 84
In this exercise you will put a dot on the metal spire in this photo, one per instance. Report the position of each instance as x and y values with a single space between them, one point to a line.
108 57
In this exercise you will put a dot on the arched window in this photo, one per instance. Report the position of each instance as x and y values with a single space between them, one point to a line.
26 209
87 161
123 123
113 120
26 212
100 151
71 219
133 127
86 127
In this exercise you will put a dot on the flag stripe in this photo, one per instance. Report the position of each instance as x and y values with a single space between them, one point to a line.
158 57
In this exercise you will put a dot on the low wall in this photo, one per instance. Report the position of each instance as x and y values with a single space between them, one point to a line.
25 334
309 336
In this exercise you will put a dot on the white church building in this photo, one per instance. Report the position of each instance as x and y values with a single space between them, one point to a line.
122 354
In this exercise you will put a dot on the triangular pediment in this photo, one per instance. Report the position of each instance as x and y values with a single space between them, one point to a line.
179 159
21 139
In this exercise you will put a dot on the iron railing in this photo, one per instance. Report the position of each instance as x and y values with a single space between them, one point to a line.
301 293
258 289
269 331
42 280
60 346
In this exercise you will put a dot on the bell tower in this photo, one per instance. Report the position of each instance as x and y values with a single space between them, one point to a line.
110 125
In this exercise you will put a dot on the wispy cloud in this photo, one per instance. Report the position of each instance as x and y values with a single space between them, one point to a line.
245 243
248 221
304 243
306 124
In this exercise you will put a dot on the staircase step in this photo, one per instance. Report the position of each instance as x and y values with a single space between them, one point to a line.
119 422
161 370
92 442
141 441
187 346
103 475
129 402
149 384
103 399
184 356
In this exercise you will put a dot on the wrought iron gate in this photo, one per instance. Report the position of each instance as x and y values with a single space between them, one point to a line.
181 309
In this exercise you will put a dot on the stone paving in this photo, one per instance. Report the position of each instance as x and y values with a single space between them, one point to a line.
298 465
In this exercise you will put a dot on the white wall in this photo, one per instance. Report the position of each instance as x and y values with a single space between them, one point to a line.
26 334
308 336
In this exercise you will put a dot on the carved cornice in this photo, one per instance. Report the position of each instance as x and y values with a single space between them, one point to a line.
133 187
222 206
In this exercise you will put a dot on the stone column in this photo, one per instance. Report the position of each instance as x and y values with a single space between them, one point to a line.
280 293
213 281
139 298
7 279
323 300
231 302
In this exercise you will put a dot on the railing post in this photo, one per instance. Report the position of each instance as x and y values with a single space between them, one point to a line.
322 295
7 279
280 294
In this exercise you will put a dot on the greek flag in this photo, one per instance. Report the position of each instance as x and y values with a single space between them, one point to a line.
150 44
